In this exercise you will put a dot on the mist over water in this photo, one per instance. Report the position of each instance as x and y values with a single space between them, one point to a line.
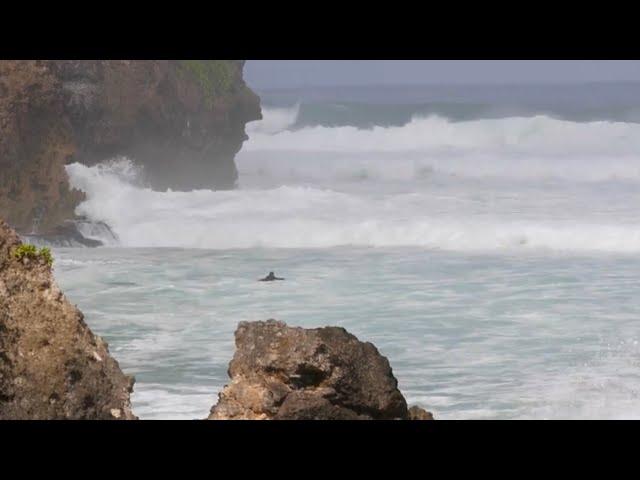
486 245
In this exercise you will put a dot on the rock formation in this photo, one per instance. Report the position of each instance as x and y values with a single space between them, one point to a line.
183 121
51 365
284 373
35 144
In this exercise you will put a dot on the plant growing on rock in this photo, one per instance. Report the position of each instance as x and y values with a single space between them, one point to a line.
45 254
29 251
25 251
215 77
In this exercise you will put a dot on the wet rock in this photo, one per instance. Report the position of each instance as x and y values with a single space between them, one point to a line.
51 365
285 373
417 413
65 235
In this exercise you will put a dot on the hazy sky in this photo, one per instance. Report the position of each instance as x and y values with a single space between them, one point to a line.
294 73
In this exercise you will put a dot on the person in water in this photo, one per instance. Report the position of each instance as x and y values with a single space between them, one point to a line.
270 278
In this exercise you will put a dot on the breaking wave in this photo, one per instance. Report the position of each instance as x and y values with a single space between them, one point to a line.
307 217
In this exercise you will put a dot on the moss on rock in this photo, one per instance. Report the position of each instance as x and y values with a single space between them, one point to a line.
215 77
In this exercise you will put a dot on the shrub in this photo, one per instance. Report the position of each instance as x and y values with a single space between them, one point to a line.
30 251
45 254
25 250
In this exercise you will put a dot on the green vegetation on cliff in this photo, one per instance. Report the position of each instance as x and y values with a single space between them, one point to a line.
215 77
30 251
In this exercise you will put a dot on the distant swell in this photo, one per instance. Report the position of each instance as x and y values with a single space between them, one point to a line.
518 148
539 134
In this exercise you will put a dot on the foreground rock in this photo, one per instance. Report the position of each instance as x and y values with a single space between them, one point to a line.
183 121
51 365
284 373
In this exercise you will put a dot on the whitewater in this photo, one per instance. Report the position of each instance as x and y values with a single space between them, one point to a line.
492 260
477 185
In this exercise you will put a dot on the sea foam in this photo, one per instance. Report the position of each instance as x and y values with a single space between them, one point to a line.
481 185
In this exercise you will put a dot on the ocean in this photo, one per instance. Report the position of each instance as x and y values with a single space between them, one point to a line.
484 238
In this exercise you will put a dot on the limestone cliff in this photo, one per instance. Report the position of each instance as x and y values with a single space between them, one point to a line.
182 120
51 365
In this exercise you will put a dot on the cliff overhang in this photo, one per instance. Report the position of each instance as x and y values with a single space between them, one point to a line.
183 121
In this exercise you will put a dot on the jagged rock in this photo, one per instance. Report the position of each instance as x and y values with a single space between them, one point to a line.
417 413
65 235
183 121
35 144
284 373
51 365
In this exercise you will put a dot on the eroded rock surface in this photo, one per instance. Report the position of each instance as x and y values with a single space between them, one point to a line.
51 365
285 373
183 121
36 142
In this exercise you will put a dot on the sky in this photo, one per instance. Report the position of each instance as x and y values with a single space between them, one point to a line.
265 74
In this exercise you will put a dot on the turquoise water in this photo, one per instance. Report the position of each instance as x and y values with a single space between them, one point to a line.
536 335
486 241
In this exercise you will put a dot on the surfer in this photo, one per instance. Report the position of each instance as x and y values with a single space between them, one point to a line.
270 278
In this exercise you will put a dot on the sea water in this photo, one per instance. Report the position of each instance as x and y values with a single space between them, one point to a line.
486 240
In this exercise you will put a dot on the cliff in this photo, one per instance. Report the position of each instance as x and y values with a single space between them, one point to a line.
51 365
182 120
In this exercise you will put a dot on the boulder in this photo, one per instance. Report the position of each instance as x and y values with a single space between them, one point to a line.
418 413
285 373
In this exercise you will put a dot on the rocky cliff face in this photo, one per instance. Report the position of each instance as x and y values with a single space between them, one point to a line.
284 373
183 121
35 143
51 365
